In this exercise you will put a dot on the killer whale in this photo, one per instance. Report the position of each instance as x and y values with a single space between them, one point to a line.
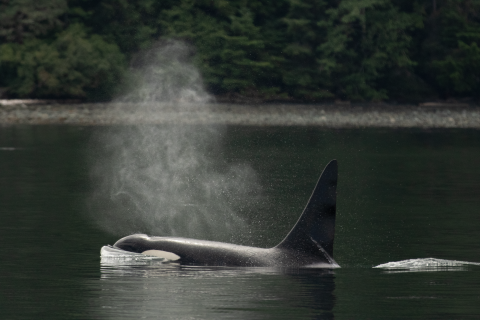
309 243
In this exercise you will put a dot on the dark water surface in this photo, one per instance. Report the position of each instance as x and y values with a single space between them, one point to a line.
402 194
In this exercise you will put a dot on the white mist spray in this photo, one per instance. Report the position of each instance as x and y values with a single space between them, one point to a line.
169 179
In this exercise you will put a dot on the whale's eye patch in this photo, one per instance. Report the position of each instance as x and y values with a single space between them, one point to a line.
162 254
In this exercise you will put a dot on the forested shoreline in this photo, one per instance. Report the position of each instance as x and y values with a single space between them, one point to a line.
288 50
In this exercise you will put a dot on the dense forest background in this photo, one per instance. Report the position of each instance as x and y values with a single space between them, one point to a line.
299 50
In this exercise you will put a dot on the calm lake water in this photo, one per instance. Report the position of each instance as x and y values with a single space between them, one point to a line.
402 194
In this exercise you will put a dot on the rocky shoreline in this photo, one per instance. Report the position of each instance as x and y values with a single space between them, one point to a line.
322 115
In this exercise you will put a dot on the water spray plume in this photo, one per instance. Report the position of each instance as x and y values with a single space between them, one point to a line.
170 179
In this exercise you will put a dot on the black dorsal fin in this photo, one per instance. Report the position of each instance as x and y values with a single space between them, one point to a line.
316 225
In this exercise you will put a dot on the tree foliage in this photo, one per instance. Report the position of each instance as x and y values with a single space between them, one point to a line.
231 50
456 64
73 65
25 19
311 50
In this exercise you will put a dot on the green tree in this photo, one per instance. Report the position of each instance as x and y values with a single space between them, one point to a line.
459 72
451 53
25 19
303 37
132 25
303 49
230 47
74 65
345 48
365 39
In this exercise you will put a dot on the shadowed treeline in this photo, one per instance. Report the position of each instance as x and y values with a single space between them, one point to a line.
359 50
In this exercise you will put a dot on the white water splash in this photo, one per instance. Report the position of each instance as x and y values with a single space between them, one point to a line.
110 256
426 264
